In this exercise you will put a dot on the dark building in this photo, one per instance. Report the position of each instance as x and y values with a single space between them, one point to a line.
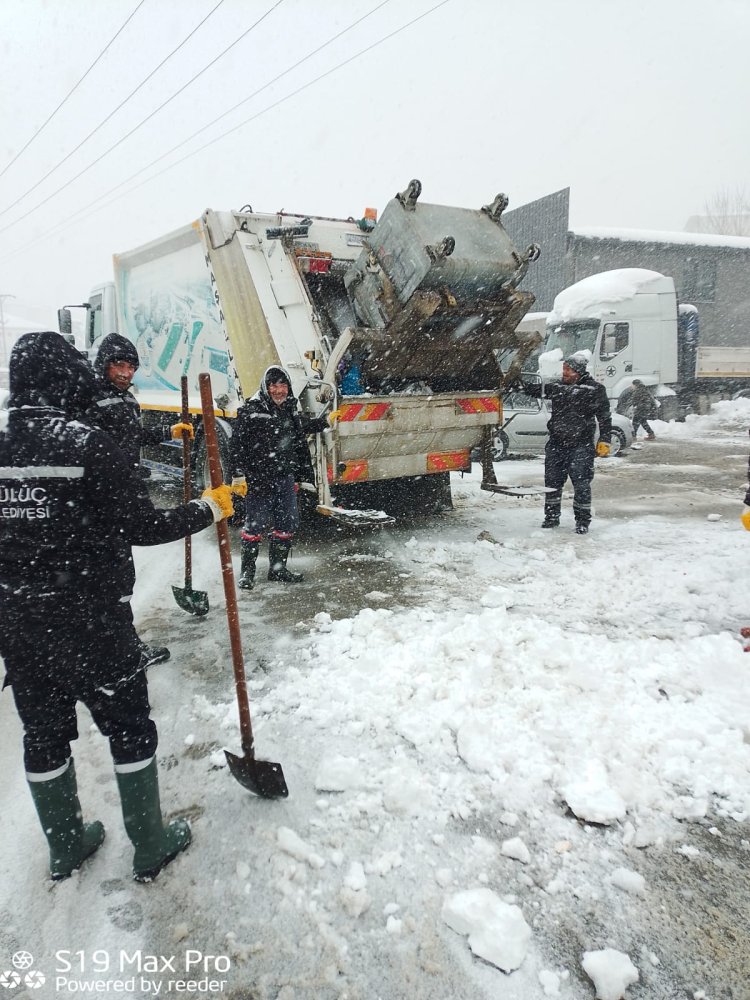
711 272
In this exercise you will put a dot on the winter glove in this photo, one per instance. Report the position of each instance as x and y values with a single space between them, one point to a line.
333 416
176 430
745 518
602 449
239 486
220 501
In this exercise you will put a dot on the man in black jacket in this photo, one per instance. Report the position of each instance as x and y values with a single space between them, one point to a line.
115 409
270 452
578 404
70 509
644 409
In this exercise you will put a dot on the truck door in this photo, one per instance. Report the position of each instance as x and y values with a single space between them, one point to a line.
614 359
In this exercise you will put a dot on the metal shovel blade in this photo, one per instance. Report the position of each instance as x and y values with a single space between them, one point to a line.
260 777
195 602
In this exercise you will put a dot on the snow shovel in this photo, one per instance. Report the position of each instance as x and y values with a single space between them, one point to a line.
261 777
195 602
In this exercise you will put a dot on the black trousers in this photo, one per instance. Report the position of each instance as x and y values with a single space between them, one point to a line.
56 656
640 421
577 462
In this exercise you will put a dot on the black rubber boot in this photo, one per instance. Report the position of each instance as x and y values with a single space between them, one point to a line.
155 844
582 528
70 840
277 557
550 522
247 566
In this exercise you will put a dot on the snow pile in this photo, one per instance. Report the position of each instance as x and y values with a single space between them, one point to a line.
610 971
592 296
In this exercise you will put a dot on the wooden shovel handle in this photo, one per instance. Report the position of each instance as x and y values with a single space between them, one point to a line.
186 484
225 551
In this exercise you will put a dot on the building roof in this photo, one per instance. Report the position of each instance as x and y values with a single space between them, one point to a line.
656 236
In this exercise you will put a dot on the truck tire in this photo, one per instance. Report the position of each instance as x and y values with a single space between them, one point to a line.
500 445
617 442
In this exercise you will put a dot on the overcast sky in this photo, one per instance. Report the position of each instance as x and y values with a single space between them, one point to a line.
639 107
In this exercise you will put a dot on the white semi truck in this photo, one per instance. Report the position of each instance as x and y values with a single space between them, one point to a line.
418 304
633 326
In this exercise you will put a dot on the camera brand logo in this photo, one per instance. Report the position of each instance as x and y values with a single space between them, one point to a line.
32 980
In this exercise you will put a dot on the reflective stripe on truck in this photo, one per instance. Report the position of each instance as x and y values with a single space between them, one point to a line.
362 411
392 467
481 404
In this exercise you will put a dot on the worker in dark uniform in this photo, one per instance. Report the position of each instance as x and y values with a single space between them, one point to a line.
270 453
70 509
115 409
578 405
645 408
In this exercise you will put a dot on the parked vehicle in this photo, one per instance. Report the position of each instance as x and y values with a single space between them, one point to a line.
422 301
524 428
634 327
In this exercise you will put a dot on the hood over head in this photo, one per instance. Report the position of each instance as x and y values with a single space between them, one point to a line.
274 373
45 370
115 348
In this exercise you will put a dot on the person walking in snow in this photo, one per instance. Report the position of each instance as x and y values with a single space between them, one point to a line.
270 454
70 509
116 411
578 405
644 409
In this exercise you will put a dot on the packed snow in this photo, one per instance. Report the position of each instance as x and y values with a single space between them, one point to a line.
516 756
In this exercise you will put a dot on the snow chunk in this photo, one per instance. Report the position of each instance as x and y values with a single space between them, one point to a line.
497 932
550 983
291 843
337 774
496 597
591 797
610 971
515 848
629 881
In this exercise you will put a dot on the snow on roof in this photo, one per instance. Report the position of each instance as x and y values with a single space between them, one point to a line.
656 236
592 296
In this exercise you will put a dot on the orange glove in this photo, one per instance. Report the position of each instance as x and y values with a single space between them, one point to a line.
176 430
602 449
333 416
745 518
220 501
239 486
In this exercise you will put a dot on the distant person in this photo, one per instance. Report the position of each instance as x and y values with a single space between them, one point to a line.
644 409
116 411
70 512
270 454
578 405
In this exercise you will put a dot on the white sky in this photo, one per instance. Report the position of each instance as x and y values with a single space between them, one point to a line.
639 107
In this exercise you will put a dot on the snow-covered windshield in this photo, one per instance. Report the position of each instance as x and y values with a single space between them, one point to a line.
572 337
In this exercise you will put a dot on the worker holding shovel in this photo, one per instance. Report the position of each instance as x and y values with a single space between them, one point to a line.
70 509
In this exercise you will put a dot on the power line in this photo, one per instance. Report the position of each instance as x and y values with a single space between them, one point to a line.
142 122
72 91
112 113
233 108
78 214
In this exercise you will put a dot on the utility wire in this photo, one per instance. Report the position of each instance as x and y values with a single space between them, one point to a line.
63 225
143 121
233 108
112 113
71 92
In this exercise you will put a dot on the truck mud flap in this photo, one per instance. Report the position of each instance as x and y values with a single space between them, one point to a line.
517 491
356 518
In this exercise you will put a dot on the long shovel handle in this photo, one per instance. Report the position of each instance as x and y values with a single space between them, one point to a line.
225 551
186 484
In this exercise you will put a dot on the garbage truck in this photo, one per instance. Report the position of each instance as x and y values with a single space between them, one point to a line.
397 323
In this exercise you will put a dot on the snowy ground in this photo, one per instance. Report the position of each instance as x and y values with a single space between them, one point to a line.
506 748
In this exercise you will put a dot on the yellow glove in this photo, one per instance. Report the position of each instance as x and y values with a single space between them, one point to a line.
220 501
239 486
745 518
176 430
333 416
602 449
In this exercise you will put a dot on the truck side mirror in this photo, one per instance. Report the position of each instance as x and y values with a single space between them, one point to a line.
64 322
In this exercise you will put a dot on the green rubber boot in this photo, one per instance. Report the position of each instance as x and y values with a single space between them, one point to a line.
247 565
278 553
70 840
155 844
